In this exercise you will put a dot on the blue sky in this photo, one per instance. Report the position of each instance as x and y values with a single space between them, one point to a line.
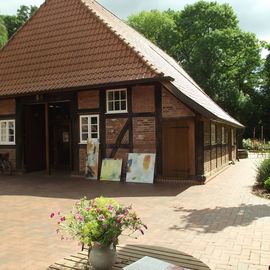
254 15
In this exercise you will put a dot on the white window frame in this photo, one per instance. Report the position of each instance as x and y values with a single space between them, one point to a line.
213 138
107 100
89 123
7 142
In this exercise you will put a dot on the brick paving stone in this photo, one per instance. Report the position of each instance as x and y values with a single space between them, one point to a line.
221 222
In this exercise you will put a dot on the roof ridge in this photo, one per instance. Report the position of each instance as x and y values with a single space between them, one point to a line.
119 36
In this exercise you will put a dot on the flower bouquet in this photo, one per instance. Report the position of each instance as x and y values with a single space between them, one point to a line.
98 223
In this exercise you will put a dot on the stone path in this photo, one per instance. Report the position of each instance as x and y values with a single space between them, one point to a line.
221 223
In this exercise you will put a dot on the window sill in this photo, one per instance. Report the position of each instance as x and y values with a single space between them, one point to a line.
7 144
116 112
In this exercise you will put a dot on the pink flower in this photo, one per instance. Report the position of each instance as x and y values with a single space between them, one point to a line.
97 244
101 218
145 226
119 218
79 217
58 213
62 219
52 215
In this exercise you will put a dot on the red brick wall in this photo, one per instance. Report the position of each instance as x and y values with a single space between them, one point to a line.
143 99
12 155
7 106
172 107
113 128
82 159
144 135
88 99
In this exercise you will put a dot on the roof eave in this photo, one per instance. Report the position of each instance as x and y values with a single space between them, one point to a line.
88 87
197 107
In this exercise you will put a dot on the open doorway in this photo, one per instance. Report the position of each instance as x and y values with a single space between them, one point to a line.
58 150
59 136
34 138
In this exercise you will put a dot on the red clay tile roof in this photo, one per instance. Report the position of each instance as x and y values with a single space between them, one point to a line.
71 43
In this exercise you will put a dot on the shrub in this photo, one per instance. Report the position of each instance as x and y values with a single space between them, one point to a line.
263 170
267 184
247 144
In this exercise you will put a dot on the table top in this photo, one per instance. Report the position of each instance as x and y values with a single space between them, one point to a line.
129 254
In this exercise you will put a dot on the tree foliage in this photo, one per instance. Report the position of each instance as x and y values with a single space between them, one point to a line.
207 40
3 33
14 22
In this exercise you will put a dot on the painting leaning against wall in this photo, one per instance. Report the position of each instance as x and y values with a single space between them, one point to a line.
111 169
141 168
91 170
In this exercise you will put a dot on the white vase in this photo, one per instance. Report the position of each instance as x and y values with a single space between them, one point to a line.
102 258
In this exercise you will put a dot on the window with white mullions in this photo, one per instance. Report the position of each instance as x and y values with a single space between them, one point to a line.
89 127
7 132
116 101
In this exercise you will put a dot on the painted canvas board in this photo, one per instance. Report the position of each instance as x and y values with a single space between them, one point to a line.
141 168
150 263
92 159
111 169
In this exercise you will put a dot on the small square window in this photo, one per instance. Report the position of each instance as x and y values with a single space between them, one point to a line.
117 101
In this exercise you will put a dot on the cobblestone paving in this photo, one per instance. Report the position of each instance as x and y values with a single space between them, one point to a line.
220 223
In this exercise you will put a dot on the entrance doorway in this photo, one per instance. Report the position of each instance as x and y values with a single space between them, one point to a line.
176 150
59 136
34 138
54 152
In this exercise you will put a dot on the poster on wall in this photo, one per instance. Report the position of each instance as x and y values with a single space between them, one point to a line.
92 156
141 168
111 169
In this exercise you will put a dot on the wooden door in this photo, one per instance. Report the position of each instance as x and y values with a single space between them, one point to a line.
175 149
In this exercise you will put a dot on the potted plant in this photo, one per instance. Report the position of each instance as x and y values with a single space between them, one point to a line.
98 223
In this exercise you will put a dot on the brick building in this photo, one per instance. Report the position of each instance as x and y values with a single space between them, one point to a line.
75 70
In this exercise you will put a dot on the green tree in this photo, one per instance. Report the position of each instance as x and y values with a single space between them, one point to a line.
266 96
207 40
3 33
14 22
159 27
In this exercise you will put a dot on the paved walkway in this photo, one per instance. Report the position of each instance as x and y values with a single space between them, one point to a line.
221 223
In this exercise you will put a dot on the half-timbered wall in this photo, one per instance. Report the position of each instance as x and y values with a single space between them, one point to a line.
133 131
217 155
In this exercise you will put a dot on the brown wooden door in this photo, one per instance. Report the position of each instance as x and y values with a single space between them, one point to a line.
175 149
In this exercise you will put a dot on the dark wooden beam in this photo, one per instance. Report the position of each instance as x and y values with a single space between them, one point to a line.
48 167
199 148
158 114
119 139
19 131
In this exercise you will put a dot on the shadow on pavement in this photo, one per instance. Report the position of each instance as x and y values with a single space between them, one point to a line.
61 186
214 220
